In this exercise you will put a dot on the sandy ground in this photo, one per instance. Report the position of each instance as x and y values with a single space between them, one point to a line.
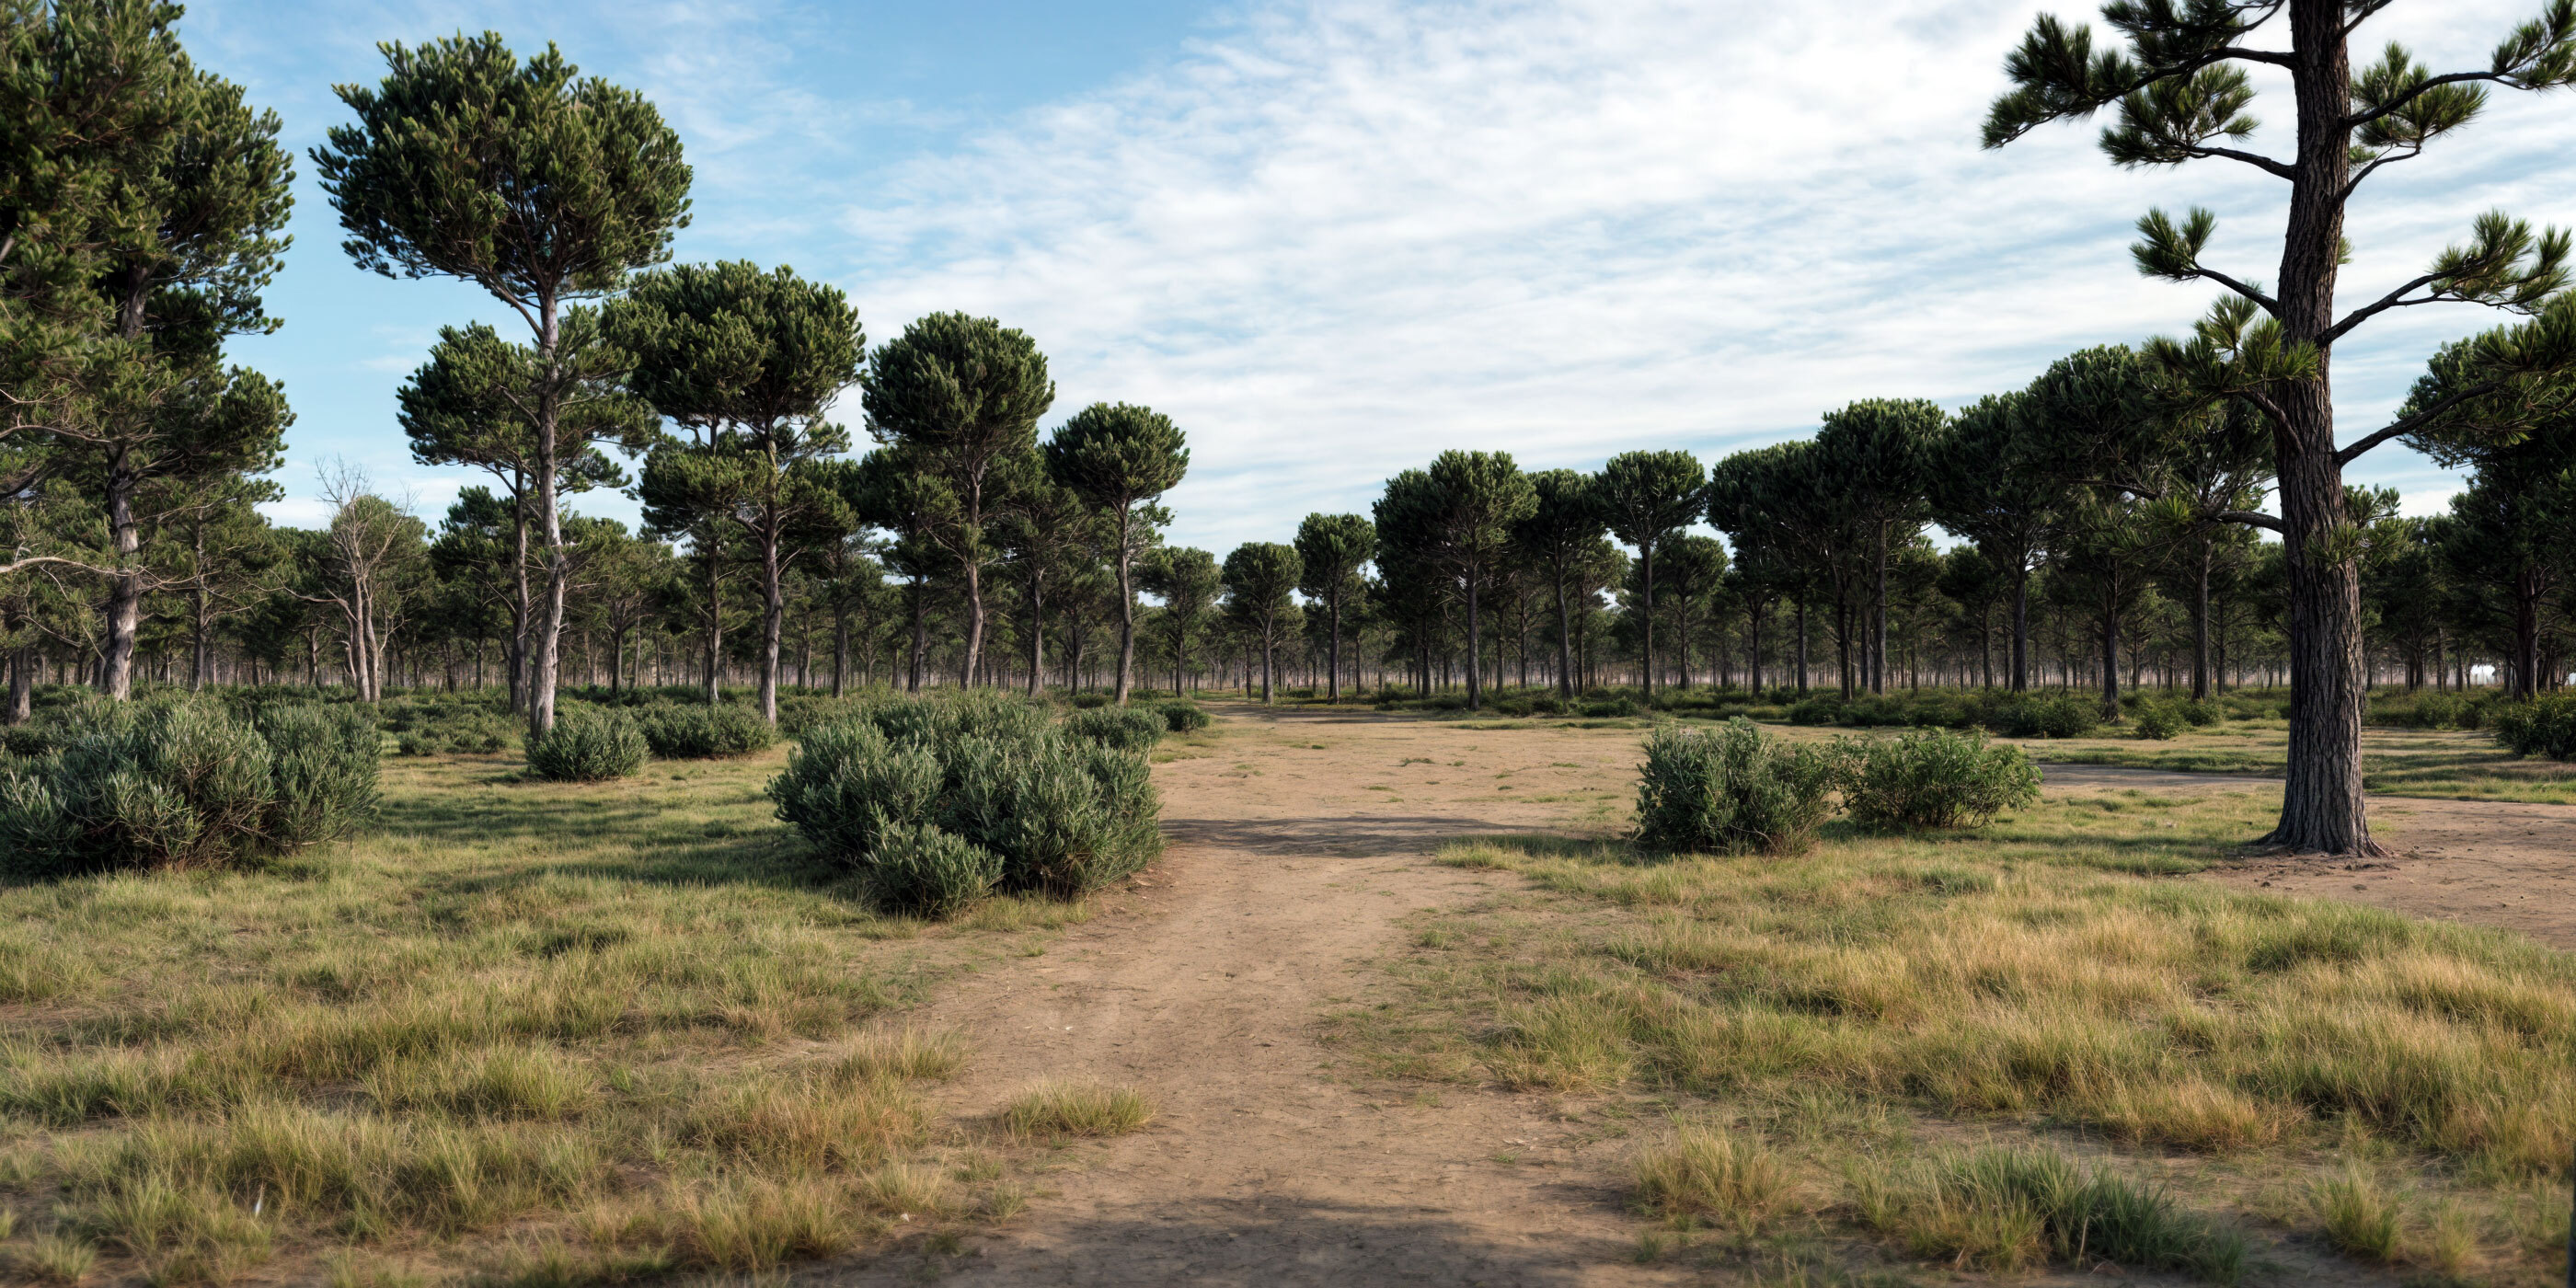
1265 1163
2488 863
1298 843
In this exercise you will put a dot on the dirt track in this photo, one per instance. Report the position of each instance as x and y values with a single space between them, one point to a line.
1296 849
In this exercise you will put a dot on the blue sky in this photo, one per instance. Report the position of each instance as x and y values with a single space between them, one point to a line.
1333 239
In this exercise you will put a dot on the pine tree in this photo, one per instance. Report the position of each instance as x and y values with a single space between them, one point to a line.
1120 460
1646 499
2181 91
961 396
1333 548
748 363
538 186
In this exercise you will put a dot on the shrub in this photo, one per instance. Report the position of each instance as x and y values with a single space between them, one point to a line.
1060 813
1126 728
1090 701
587 747
919 869
1609 709
469 731
2199 714
1819 710
1932 779
182 784
1732 790
702 732
2158 722
1185 717
2545 726
2061 716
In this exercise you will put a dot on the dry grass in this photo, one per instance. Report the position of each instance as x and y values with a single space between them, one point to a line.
631 1006
1069 1109
1706 1171
2037 979
2447 763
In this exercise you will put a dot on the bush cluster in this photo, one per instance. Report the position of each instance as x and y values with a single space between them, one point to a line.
1125 728
179 783
2432 709
1182 716
677 732
937 801
2158 721
2545 726
1730 790
1932 778
587 745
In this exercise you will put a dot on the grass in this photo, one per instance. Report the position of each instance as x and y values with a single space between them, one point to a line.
1055 1110
2039 982
2444 763
526 1033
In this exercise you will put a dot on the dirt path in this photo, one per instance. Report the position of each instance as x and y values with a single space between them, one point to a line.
2486 863
1268 1164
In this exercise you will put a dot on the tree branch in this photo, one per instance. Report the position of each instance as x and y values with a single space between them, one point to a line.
2394 299
2407 424
35 560
2255 159
2416 91
2252 518
2268 304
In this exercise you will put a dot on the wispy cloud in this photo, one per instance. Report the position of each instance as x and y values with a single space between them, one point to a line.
1337 237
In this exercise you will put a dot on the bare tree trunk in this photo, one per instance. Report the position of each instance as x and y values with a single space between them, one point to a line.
773 624
22 685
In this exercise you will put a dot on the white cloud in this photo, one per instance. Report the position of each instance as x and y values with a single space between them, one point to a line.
1342 236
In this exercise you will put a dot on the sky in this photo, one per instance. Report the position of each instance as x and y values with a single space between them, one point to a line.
1332 239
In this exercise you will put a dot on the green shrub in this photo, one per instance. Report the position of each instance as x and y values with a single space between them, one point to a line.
2158 722
917 868
1126 728
177 783
1732 790
798 712
2059 716
1609 709
702 732
468 731
1818 710
2544 726
1932 779
1059 812
1185 717
2199 714
1090 701
587 746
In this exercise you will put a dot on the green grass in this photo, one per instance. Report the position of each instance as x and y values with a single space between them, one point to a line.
2043 982
525 1032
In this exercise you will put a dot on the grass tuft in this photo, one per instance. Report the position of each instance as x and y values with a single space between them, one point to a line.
1705 1171
1076 1109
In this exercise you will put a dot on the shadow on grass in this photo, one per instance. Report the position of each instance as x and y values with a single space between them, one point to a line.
1283 1241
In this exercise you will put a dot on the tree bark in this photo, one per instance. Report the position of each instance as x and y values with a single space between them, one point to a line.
2322 808
1127 603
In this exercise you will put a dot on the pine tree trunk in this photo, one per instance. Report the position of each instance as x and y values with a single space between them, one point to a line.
773 624
2322 808
1127 607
